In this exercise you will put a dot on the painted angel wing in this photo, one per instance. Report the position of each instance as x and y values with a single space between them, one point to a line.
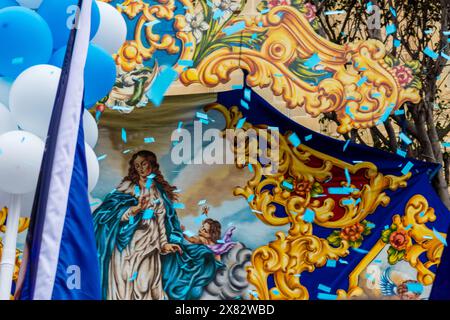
388 287
228 234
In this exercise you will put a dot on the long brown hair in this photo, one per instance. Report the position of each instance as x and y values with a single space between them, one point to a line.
215 229
133 176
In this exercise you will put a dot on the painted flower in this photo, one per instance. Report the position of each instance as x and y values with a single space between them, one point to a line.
399 240
302 187
196 24
310 11
352 233
227 7
275 3
131 8
403 74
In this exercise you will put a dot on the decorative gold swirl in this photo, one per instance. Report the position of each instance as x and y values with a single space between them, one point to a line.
360 93
417 213
301 250
23 225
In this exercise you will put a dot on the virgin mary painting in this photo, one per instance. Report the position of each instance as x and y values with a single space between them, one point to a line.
142 252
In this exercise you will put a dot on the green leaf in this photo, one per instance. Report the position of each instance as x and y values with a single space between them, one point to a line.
385 234
334 239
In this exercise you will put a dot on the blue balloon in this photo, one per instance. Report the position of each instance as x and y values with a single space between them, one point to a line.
7 3
25 40
99 73
60 15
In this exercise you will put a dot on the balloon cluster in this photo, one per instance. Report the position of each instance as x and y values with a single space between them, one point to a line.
33 38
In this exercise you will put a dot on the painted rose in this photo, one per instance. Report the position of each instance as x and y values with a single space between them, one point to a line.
404 75
352 233
196 24
399 240
276 3
302 187
310 11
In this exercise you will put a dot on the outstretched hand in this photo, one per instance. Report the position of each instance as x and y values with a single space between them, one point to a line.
170 248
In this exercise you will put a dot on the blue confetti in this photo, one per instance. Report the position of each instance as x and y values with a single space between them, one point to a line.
250 167
399 112
313 61
390 29
407 168
415 287
149 140
405 138
325 296
342 261
178 206
385 115
440 237
309 215
346 145
429 52
137 191
237 86
241 123
100 158
134 276
247 94
295 140
361 81
397 43
18 60
245 104
308 137
148 214
202 115
186 63
161 85
340 190
360 250
331 263
401 153
218 13
324 288
287 185
124 135
152 23
394 13
348 202
334 12
201 202
239 26
250 198
347 175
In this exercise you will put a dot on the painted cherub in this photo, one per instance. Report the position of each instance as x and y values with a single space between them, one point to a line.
209 234
406 290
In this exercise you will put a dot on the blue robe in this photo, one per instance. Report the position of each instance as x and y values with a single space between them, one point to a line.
184 276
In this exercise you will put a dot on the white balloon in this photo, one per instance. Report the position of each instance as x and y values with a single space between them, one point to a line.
20 161
26 202
112 32
32 98
5 87
93 167
32 4
90 129
7 122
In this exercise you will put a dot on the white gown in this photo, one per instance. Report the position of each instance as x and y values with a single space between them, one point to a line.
135 273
